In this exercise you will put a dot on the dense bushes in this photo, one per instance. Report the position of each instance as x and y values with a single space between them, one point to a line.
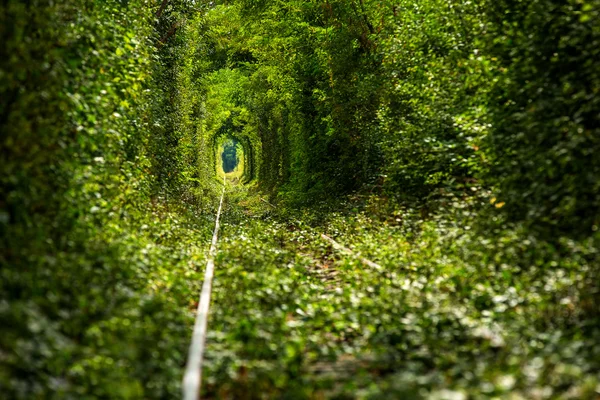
544 112
93 288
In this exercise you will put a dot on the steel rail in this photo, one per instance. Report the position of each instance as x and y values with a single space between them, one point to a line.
192 380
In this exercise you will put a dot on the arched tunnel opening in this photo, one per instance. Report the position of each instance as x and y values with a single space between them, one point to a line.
230 156
233 158
234 150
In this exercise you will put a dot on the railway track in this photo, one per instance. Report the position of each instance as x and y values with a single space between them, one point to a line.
192 381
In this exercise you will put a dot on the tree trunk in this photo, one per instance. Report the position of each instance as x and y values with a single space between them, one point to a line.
162 8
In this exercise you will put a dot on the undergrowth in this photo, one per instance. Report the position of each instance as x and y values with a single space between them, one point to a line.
455 312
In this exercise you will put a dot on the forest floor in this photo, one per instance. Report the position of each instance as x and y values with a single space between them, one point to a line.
294 317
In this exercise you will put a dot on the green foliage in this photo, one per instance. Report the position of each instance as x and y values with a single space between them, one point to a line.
432 115
96 278
465 131
544 112
296 93
420 98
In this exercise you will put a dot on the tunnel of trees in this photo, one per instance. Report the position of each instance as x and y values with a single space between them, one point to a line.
474 126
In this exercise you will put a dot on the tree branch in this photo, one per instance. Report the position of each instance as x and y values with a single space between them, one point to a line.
171 32
162 8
